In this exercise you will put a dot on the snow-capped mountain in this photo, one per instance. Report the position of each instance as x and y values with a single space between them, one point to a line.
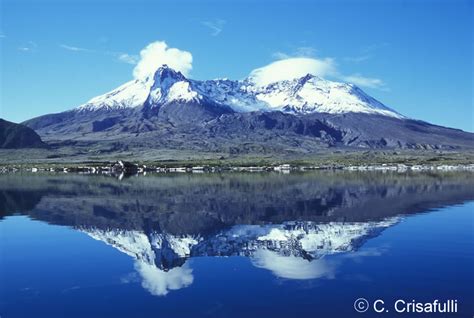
129 95
303 95
166 110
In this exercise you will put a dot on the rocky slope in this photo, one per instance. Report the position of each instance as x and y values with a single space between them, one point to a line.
18 136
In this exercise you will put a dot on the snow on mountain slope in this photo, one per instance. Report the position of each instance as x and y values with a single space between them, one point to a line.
239 95
313 94
307 94
166 85
129 95
169 85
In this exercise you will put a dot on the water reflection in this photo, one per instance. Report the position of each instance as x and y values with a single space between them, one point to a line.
293 267
289 225
293 250
159 282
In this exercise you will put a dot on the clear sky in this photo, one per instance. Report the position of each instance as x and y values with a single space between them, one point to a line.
414 56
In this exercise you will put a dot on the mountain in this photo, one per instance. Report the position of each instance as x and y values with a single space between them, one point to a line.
304 95
18 136
169 111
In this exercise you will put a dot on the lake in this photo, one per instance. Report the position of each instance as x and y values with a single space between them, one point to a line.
235 244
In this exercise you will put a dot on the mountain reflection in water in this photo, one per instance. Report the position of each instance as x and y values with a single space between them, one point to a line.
287 224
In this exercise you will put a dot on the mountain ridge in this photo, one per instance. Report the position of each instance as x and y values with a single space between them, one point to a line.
169 111
307 94
14 136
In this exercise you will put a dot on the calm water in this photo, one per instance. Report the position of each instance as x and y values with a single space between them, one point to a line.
234 245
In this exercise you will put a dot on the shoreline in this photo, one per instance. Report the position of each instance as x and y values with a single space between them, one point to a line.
368 160
133 168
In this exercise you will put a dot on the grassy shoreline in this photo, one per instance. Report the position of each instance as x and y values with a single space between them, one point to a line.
328 161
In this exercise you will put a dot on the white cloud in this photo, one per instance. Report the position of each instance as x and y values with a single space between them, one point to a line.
159 282
30 46
216 26
363 81
120 56
300 63
281 55
288 66
74 48
128 58
291 68
147 62
158 53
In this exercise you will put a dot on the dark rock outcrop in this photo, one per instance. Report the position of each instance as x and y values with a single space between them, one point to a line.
15 136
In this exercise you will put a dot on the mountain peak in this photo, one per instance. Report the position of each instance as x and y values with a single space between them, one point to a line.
170 85
307 77
165 77
164 72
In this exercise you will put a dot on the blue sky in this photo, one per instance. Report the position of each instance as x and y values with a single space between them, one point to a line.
414 56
